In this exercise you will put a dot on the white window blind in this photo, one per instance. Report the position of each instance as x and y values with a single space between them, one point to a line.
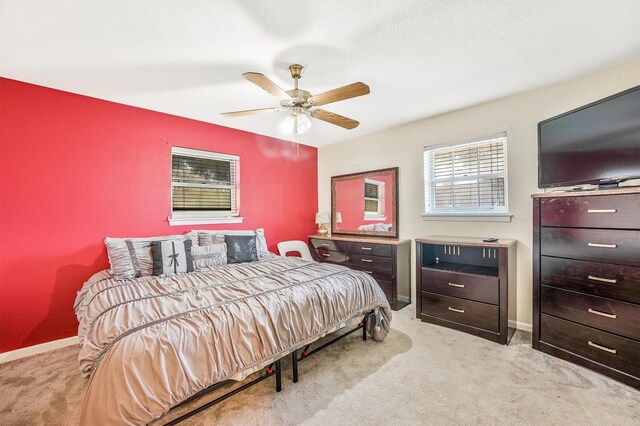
374 198
371 201
467 177
204 184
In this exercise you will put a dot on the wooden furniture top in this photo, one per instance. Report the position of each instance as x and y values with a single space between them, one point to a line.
588 192
466 241
359 239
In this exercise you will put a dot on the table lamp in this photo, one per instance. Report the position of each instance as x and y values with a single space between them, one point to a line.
321 219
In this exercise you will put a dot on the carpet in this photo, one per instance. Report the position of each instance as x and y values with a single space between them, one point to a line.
421 374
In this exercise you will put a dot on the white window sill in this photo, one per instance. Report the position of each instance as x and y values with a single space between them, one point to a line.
375 217
177 221
469 217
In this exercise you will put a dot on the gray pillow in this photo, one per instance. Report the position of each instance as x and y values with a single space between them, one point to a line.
241 248
210 256
208 237
171 257
131 257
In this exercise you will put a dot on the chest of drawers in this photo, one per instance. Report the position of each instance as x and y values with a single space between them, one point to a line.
468 285
387 261
586 280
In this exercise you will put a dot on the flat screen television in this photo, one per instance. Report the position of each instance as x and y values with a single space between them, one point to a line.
596 144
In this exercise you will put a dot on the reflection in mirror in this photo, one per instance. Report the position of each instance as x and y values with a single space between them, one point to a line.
365 203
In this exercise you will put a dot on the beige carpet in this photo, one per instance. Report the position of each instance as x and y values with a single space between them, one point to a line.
421 374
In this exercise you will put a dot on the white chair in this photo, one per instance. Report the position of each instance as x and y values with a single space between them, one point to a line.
301 247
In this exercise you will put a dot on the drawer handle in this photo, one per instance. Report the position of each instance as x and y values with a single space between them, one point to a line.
604 280
365 248
602 314
603 348
326 254
602 245
602 210
367 260
456 285
460 311
368 272
326 244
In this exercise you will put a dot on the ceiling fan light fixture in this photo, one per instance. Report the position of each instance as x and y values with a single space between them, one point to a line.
301 103
296 123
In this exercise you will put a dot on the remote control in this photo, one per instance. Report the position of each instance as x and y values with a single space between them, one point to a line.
489 240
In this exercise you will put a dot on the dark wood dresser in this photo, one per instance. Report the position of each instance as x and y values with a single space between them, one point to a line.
468 285
586 279
386 260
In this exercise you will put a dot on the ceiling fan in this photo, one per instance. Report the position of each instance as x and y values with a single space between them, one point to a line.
301 103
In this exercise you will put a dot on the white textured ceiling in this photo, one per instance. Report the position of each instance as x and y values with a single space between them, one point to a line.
419 57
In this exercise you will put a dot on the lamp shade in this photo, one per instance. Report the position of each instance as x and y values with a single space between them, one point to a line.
338 217
322 218
298 123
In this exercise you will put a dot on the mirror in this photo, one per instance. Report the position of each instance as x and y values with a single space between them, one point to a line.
365 203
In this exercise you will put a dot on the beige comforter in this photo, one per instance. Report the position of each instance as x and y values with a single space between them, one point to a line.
151 342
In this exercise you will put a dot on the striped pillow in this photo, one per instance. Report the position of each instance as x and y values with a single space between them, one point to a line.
131 257
171 257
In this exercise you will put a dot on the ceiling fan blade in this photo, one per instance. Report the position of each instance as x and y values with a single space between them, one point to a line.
264 83
251 112
336 119
341 93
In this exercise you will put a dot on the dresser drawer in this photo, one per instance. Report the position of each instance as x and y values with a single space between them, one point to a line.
384 250
613 351
331 256
598 279
474 314
607 211
371 262
605 314
472 287
378 275
598 245
319 243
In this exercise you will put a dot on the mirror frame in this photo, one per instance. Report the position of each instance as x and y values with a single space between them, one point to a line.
394 194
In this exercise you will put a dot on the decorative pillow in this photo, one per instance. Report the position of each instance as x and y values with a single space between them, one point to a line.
209 256
241 248
206 238
131 257
209 237
171 257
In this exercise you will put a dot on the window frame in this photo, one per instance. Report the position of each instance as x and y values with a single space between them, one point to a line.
379 214
462 213
195 217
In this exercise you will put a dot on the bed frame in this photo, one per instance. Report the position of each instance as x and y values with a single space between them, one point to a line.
274 369
306 353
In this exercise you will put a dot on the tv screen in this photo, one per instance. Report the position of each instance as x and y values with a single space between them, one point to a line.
598 143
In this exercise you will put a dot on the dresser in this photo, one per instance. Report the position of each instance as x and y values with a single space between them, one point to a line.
468 285
586 279
386 260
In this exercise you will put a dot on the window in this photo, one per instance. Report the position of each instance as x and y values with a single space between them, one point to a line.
204 187
373 200
467 178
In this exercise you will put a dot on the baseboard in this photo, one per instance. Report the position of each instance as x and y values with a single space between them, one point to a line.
405 299
520 325
38 349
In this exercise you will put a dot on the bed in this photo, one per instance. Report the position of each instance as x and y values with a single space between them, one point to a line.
151 342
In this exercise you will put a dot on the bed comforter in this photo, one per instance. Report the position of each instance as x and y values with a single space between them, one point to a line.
151 342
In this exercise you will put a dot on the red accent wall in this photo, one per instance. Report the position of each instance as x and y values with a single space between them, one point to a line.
75 169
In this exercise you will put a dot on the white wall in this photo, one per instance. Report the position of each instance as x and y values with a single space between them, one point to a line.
519 114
